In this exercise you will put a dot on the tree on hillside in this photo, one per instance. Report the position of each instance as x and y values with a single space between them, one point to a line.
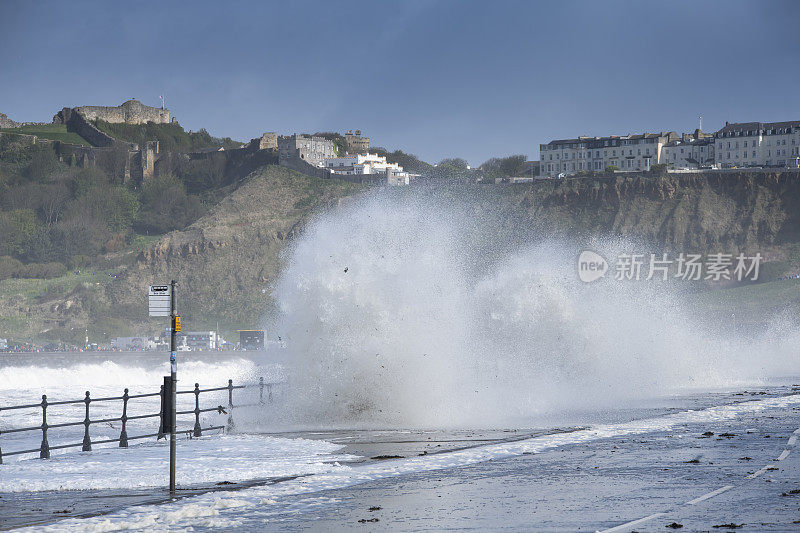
114 161
16 229
166 206
203 175
503 167
409 162
659 169
43 162
451 168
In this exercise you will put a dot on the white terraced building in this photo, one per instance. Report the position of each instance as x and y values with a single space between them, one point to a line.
365 164
628 152
758 144
691 151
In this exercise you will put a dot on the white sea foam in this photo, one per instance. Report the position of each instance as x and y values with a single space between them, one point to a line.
258 505
24 378
116 373
205 460
404 310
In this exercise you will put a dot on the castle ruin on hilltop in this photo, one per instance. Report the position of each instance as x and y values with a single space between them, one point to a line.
130 112
356 144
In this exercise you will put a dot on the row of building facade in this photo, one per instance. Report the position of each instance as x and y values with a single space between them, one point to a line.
321 151
747 144
366 164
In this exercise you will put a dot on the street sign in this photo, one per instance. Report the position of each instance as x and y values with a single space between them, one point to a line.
177 325
160 300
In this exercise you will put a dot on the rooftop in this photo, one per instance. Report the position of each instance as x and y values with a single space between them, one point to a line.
613 137
749 126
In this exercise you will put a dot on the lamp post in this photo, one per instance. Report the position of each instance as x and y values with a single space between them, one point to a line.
173 372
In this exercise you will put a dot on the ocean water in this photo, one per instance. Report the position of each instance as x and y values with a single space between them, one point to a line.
24 378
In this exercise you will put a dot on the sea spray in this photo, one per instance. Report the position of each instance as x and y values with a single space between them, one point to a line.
417 309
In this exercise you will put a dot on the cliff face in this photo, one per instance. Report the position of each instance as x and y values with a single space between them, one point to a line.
686 212
225 261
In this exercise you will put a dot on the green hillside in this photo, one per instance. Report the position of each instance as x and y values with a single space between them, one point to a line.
236 241
221 262
53 132
171 137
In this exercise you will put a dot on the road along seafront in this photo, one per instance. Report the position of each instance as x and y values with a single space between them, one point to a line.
728 460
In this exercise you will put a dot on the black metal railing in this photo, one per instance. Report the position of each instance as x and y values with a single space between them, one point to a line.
197 430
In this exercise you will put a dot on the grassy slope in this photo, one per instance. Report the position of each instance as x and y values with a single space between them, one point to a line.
224 260
46 309
55 132
171 137
221 262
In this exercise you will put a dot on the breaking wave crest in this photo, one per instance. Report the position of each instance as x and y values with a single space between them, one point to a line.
411 310
141 374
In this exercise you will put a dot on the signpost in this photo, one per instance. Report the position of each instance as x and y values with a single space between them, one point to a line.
162 303
160 300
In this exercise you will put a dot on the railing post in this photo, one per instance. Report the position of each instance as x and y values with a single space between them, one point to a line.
1 456
123 436
87 442
261 390
230 426
44 451
161 416
198 432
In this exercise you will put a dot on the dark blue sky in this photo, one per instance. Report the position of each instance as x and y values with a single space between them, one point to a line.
435 78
